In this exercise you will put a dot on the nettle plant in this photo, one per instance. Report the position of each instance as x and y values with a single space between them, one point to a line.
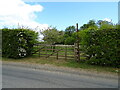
18 43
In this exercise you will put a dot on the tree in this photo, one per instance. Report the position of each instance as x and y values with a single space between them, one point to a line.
104 24
70 30
91 25
69 37
69 40
53 36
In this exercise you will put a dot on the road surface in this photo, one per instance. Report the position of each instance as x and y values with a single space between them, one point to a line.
21 77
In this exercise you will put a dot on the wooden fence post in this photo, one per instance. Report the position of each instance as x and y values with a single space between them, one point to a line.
39 53
39 50
65 52
46 50
75 51
57 55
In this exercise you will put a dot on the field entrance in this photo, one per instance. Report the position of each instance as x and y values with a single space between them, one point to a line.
55 51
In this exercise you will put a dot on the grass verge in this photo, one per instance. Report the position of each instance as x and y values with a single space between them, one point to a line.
63 63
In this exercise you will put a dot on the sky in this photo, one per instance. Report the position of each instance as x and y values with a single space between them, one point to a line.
64 14
41 15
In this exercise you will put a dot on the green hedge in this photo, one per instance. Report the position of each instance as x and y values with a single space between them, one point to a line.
102 46
18 43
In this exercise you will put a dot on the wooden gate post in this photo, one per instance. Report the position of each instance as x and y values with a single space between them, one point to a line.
77 46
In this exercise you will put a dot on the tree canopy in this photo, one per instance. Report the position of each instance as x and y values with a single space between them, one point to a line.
53 36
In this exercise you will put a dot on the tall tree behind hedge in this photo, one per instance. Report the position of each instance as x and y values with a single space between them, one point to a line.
17 43
69 36
53 36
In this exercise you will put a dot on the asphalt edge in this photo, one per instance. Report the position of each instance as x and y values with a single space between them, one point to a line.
60 69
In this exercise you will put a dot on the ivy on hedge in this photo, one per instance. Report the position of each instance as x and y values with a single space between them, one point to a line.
102 46
18 43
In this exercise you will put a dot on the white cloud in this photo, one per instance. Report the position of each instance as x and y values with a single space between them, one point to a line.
13 12
107 19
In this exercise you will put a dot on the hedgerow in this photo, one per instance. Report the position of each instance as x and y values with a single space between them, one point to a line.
18 43
102 46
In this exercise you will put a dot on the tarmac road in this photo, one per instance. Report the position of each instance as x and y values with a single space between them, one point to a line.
22 77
